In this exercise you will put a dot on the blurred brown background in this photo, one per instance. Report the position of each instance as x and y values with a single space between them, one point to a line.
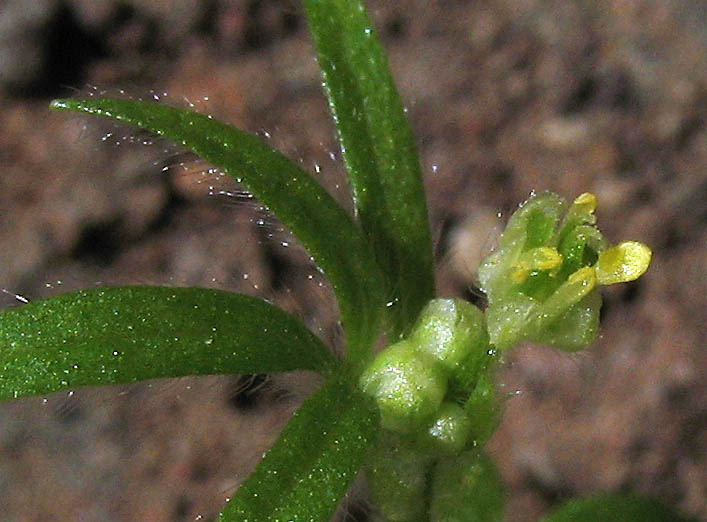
505 97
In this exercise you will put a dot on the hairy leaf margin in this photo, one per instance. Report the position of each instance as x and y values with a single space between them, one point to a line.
301 203
117 335
304 476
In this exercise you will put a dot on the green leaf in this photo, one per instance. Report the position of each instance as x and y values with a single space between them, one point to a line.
323 226
396 474
467 488
613 507
125 334
379 151
304 476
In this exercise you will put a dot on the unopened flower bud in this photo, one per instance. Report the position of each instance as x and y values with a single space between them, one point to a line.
407 385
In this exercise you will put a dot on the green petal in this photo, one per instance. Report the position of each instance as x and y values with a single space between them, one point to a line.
532 225
322 226
304 476
571 292
581 212
576 328
379 151
580 247
125 334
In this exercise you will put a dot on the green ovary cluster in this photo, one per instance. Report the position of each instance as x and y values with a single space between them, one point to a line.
437 405
422 384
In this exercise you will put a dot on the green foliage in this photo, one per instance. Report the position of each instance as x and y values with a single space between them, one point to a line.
323 227
127 334
613 508
398 479
467 488
416 415
379 151
305 475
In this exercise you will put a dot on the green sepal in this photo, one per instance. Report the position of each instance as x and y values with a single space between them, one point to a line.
467 488
508 320
484 407
304 476
118 335
613 507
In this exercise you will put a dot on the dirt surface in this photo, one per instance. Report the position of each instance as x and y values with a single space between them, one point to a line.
504 97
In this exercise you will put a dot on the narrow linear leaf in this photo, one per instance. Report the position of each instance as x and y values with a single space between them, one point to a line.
125 334
322 225
379 151
311 466
613 507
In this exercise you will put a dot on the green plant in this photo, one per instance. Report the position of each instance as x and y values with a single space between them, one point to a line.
416 415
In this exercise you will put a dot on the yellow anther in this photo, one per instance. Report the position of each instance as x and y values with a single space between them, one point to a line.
540 259
587 201
546 258
521 271
626 261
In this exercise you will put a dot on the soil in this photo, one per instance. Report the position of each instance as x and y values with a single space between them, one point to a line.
504 98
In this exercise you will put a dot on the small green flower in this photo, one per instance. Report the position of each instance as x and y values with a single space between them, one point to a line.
542 280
